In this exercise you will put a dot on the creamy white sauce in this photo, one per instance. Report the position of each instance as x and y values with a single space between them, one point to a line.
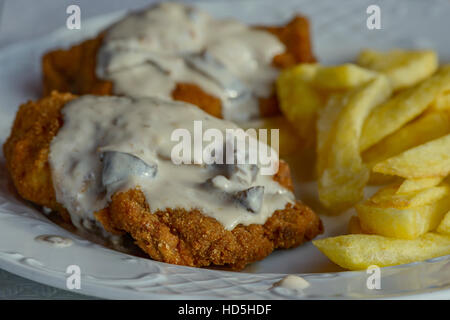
137 133
55 241
148 52
293 282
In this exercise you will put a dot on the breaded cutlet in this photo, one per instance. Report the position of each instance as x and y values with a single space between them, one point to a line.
175 235
73 70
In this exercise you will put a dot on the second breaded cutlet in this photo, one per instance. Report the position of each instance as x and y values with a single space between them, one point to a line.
74 70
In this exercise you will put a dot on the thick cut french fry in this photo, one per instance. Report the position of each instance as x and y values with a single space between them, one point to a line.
444 225
325 123
442 102
427 127
404 68
402 108
342 174
304 90
389 197
341 77
408 223
298 100
428 160
301 72
410 185
359 251
407 216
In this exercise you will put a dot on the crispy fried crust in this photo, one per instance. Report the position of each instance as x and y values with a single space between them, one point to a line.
191 93
189 238
174 236
296 37
73 70
27 149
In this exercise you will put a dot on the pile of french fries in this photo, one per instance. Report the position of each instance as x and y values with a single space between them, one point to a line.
384 120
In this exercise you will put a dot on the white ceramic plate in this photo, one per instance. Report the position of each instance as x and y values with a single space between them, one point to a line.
339 32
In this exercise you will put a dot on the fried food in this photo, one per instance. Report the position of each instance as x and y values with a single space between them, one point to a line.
359 251
342 174
304 90
342 77
404 68
173 236
27 148
311 97
298 99
442 102
389 196
190 238
73 70
386 117
403 107
428 160
444 226
429 126
410 185
404 216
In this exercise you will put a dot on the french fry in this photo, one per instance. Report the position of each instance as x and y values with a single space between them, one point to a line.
342 175
389 197
298 100
444 226
427 127
301 72
402 108
341 77
404 217
326 119
359 251
404 68
428 160
442 102
410 185
304 90
407 223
